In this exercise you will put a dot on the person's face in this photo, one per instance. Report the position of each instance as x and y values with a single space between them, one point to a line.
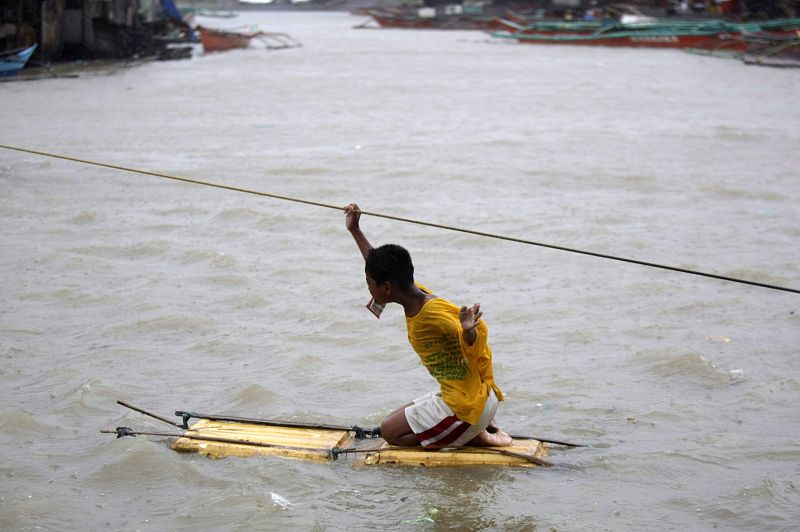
379 292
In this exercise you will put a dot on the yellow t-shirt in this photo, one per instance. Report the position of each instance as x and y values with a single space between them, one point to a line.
464 372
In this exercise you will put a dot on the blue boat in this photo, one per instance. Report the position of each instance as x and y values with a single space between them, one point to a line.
12 62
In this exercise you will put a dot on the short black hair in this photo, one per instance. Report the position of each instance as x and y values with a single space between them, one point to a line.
392 263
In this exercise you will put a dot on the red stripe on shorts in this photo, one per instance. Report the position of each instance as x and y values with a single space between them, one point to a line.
437 429
455 434
446 431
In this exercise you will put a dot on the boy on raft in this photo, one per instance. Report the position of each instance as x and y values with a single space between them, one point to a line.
452 343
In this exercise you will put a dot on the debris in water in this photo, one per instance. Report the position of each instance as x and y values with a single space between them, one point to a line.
281 501
425 518
718 339
736 375
420 519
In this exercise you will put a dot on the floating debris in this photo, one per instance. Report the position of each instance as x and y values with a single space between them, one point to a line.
281 501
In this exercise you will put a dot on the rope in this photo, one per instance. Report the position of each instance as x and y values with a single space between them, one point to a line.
406 220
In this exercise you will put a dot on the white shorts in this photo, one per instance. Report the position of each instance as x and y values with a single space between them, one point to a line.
436 426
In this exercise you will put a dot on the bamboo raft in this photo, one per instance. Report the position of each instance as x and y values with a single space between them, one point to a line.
218 439
222 436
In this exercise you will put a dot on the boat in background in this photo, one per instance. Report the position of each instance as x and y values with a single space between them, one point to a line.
216 40
449 17
665 37
761 49
579 27
587 27
772 50
654 33
219 40
12 62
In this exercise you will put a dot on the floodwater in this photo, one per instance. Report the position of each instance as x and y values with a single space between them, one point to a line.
168 295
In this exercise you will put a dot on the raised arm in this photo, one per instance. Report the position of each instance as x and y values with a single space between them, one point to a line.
353 215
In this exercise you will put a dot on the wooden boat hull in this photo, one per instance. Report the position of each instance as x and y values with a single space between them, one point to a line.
775 52
12 62
698 34
220 41
598 28
227 438
629 40
453 22
548 28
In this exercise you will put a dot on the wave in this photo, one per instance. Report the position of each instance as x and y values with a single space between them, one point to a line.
239 214
759 276
248 301
82 400
135 250
167 323
770 502
142 462
690 365
252 397
69 295
215 258
84 218
21 423
734 193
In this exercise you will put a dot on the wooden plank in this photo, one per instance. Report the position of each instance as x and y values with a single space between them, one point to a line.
306 444
297 437
465 456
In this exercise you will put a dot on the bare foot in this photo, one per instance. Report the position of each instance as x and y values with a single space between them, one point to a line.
491 437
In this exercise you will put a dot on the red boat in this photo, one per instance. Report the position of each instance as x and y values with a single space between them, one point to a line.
665 33
220 40
708 41
217 40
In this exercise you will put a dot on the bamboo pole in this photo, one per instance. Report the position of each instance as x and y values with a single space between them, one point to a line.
494 450
125 431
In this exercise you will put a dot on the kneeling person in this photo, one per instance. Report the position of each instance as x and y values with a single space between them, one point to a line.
452 343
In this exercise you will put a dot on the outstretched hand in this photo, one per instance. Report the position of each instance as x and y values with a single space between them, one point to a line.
470 318
352 216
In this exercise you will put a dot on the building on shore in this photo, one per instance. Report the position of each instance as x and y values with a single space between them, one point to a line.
79 29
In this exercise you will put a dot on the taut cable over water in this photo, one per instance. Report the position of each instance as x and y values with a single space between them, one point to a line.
406 220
